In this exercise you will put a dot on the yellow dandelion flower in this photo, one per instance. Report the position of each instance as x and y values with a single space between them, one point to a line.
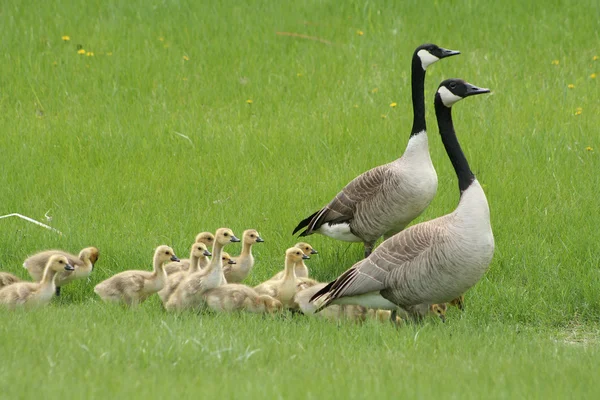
375 90
393 105
249 101
555 62
595 58
383 116
571 86
89 54
593 76
162 39
578 112
186 58
360 33
109 53
66 38
589 148
81 51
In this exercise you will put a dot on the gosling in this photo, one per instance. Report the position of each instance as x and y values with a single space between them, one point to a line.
245 261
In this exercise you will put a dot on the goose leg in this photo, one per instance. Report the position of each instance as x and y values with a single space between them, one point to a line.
368 249
58 291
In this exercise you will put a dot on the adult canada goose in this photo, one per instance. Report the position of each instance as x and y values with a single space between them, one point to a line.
205 238
22 294
385 199
284 289
237 297
245 261
301 269
8 279
189 292
83 263
134 287
198 255
434 261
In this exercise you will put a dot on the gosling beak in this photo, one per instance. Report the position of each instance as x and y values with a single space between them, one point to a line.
207 253
231 262
448 53
234 239
443 318
305 257
259 240
69 267
313 251
174 258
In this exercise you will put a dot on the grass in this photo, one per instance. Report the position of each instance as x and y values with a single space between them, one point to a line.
97 141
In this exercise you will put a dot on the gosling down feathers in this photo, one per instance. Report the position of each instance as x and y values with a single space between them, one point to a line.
237 297
245 261
83 263
301 269
198 256
134 287
385 199
30 294
205 238
434 261
8 279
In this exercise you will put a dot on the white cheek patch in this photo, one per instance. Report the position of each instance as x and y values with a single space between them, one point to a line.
426 58
448 98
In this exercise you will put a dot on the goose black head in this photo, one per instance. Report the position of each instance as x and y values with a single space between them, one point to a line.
429 53
452 90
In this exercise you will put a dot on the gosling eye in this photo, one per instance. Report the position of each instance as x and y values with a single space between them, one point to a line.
226 234
61 261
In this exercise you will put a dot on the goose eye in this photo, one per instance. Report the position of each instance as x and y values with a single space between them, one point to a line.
453 85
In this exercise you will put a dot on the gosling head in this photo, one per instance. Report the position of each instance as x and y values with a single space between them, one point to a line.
225 236
451 91
226 258
89 253
439 310
199 250
205 237
430 53
306 248
165 254
60 263
295 255
251 236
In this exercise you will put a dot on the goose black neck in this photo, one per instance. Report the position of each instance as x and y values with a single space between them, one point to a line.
457 157
418 96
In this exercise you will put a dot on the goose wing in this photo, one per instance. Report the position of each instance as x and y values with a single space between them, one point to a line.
344 205
387 265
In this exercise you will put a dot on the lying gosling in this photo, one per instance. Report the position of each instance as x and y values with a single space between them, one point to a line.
8 279
459 302
189 292
83 263
205 238
237 297
30 294
284 289
134 287
198 255
301 269
245 261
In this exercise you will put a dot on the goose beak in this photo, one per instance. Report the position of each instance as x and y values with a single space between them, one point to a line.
207 253
234 239
174 258
443 318
313 251
305 257
231 262
259 240
69 267
449 53
473 90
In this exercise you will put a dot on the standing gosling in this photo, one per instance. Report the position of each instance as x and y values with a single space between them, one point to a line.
237 297
134 287
245 261
83 263
198 255
29 294
205 238
189 292
284 289
301 269
8 279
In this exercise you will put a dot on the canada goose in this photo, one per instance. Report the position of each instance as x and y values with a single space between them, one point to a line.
245 261
83 263
189 292
385 199
235 297
21 294
434 261
284 289
205 238
301 269
134 287
198 255
8 279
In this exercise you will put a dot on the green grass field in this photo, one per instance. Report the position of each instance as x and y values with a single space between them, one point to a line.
189 117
